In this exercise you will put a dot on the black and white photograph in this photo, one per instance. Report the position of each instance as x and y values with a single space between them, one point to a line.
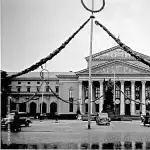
75 74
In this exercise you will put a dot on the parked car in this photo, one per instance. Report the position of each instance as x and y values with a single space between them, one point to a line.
146 120
23 119
103 119
84 117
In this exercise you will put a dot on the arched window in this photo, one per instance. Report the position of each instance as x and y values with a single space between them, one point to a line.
33 108
71 97
53 107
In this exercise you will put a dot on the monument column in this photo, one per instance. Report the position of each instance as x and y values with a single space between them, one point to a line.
101 100
143 98
132 97
80 96
122 99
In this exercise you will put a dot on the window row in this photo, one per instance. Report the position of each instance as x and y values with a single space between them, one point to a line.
38 82
38 89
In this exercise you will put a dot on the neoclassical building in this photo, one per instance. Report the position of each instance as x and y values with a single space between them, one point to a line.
132 76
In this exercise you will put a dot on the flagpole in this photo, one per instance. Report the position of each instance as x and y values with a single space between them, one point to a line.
90 65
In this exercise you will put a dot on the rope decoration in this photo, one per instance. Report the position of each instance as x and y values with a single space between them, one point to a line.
51 55
93 11
125 47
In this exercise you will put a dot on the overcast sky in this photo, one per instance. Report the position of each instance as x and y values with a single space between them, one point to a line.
31 29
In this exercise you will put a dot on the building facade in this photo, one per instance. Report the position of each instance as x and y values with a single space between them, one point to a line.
132 76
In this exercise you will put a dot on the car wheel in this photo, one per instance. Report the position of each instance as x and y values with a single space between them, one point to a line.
27 124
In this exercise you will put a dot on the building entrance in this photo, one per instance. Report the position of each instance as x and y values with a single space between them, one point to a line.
53 107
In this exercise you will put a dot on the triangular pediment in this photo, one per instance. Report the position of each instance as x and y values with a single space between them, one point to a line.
116 66
116 53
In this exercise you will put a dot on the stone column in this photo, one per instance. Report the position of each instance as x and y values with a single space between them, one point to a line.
122 104
143 98
80 96
133 97
92 97
27 107
101 101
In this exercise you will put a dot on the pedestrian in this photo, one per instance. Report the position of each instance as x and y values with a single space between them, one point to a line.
141 117
56 116
16 121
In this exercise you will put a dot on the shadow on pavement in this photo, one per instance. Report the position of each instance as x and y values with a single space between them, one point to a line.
115 145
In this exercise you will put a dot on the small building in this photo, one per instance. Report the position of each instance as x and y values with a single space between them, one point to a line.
69 90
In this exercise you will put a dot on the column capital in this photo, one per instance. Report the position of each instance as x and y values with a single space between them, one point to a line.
143 82
122 81
133 82
80 82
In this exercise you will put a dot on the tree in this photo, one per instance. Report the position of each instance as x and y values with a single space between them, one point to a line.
4 92
108 105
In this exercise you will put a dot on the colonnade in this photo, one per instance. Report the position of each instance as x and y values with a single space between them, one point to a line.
126 105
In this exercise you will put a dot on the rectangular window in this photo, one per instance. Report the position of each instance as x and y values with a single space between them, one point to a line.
28 89
117 94
57 89
38 89
127 92
28 82
97 92
86 93
47 89
38 82
18 89
19 82
71 105
9 89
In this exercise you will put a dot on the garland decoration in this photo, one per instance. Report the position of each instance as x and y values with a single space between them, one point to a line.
125 47
51 55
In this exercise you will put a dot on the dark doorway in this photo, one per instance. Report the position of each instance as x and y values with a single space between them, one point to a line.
22 107
117 109
86 108
53 107
43 110
12 106
33 108
127 109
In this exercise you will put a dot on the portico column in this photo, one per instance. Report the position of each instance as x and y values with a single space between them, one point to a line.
80 96
143 98
101 101
122 99
132 97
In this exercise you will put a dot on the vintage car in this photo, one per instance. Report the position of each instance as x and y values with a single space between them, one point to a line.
23 119
146 120
103 119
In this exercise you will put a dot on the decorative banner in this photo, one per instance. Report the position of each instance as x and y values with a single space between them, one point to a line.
97 102
117 101
86 101
137 101
127 101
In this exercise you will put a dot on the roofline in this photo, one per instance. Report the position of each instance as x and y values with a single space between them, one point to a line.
103 64
113 48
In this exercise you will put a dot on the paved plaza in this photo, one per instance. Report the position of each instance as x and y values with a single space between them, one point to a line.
68 134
